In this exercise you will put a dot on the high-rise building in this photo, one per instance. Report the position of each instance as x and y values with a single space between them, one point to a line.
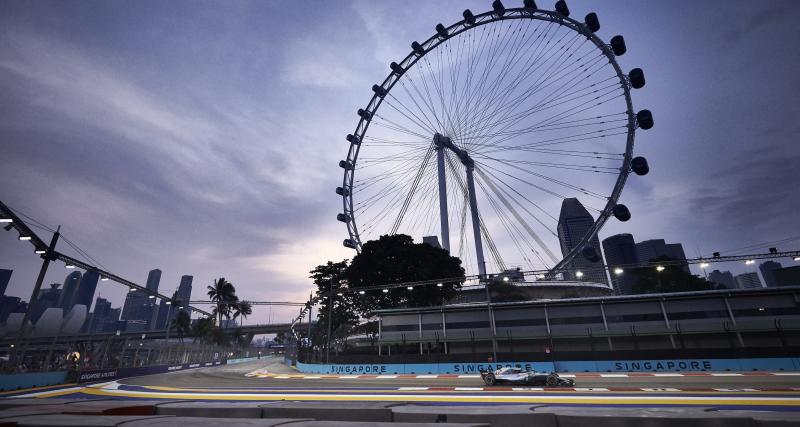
574 223
87 288
619 250
789 276
648 250
48 298
184 295
10 305
137 311
723 278
153 278
5 277
748 281
69 291
768 269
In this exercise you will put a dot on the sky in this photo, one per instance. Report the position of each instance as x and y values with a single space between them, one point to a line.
203 137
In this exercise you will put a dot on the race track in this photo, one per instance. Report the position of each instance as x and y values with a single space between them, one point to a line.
271 380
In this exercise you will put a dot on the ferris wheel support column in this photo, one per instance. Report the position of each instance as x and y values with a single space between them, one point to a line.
443 198
476 225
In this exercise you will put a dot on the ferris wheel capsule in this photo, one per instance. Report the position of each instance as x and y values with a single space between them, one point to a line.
346 164
561 7
498 7
349 243
592 23
621 212
396 68
639 166
441 31
379 90
342 217
469 18
364 114
417 48
342 191
645 119
636 76
529 4
618 45
353 139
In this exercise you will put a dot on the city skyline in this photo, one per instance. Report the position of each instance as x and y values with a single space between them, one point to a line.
192 138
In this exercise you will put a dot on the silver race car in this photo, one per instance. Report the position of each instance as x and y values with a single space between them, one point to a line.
509 375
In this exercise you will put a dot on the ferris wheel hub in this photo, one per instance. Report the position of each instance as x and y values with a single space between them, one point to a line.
442 142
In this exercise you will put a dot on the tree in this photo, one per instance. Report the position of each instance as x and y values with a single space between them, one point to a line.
182 324
331 276
241 309
673 278
203 329
223 294
507 292
397 259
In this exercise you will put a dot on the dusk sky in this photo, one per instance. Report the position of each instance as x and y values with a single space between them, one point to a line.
203 138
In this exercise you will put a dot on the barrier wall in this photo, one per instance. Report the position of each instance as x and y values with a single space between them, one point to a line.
673 365
242 360
35 379
113 374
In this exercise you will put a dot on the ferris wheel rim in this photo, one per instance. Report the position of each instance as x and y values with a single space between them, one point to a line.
452 31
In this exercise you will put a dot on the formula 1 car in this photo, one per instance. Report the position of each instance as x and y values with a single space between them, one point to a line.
509 375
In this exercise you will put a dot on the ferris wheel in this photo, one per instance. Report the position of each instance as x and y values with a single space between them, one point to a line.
482 131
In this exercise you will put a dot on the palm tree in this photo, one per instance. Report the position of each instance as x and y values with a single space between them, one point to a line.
203 329
241 308
182 324
223 293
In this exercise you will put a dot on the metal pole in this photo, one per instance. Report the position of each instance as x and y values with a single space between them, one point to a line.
491 322
445 226
49 255
476 226
330 320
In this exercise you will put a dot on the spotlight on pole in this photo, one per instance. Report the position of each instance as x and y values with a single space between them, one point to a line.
410 288
151 296
39 251
70 266
439 285
104 279
361 292
386 291
6 220
660 268
24 238
750 261
618 271
704 265
505 278
579 274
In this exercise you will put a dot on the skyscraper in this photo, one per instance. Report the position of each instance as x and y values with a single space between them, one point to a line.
153 278
748 281
184 294
87 288
5 277
48 298
573 224
648 250
69 291
136 311
620 249
768 269
724 278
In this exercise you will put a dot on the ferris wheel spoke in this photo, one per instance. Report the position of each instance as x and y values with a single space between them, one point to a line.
410 194
408 114
518 195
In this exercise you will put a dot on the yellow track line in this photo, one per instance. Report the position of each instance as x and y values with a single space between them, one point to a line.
626 400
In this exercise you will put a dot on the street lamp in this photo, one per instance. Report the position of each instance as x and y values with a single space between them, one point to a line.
704 265
579 274
39 251
410 288
24 238
439 285
361 292
618 271
70 266
505 278
797 258
750 261
6 220
660 268
104 279
386 291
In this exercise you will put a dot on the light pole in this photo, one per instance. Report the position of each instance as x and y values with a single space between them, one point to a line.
491 321
330 321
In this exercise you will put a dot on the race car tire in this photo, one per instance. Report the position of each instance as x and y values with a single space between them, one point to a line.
552 381
489 379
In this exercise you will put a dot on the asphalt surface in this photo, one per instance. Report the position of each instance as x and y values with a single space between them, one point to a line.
232 376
